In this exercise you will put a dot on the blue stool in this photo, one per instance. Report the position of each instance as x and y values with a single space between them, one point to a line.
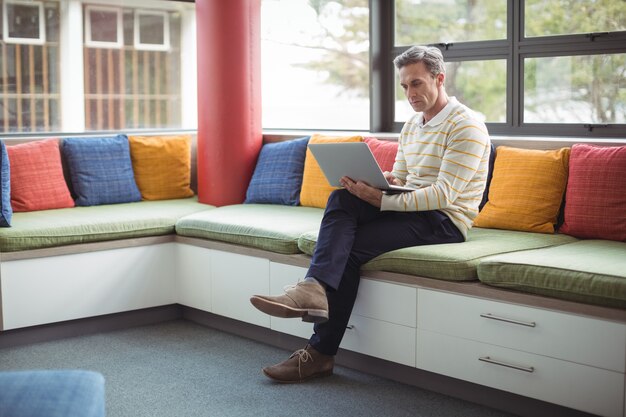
51 394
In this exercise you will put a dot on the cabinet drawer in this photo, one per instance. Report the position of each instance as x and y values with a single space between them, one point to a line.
234 279
379 319
564 336
581 387
380 339
194 276
388 302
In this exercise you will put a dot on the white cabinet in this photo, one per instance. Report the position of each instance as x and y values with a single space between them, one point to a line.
194 276
67 287
581 387
570 360
385 301
236 278
578 339
383 322
380 339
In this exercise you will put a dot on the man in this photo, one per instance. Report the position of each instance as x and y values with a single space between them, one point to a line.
443 153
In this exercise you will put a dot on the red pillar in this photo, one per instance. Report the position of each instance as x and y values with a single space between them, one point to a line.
229 98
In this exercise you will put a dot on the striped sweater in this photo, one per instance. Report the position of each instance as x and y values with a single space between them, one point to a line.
446 161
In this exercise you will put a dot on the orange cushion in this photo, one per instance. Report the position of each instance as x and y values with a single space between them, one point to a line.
162 166
526 190
37 181
315 188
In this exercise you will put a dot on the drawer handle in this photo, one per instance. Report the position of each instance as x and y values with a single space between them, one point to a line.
498 318
487 359
350 327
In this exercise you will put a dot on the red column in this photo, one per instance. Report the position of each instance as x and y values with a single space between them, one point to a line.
229 98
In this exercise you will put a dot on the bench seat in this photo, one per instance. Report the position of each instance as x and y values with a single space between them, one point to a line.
275 228
452 261
588 271
60 227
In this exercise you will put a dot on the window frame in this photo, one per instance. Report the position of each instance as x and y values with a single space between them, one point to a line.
515 48
23 41
137 31
90 43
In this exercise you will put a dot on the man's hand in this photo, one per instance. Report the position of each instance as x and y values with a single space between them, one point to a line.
362 190
391 179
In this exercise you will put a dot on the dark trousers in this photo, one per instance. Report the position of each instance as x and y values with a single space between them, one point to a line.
352 233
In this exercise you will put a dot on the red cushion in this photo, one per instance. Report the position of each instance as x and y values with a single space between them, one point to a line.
37 181
384 152
595 200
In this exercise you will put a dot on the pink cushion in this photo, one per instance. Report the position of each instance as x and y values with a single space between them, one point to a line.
384 152
595 200
37 181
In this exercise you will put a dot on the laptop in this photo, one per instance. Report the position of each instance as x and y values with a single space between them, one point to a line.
354 160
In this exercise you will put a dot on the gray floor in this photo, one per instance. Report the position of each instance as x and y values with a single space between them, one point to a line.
180 368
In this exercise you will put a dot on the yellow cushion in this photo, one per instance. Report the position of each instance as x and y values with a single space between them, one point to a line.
315 188
526 190
162 166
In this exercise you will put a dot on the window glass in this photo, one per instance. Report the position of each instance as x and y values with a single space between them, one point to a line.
133 87
563 17
151 30
315 64
449 21
94 77
575 89
103 25
23 21
29 76
480 85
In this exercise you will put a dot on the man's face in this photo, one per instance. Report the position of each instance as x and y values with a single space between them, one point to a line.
420 87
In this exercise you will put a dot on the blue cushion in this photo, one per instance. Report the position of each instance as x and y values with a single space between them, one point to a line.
65 393
277 178
6 211
101 170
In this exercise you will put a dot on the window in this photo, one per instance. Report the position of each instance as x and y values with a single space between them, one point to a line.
529 67
568 17
152 30
586 89
88 66
23 22
103 27
135 85
488 98
437 21
315 64
29 76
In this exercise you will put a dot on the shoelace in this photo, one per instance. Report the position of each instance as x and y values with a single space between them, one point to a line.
292 286
289 287
303 356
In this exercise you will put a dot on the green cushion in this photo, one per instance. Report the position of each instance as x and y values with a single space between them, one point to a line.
49 228
452 261
265 226
590 271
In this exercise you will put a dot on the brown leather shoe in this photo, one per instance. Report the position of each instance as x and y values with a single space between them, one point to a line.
302 365
305 299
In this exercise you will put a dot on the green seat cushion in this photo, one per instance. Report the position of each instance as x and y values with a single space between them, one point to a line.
452 261
589 271
271 227
49 228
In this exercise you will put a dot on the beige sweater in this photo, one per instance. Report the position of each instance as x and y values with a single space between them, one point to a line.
446 161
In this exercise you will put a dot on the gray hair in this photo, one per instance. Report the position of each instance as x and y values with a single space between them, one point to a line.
429 55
